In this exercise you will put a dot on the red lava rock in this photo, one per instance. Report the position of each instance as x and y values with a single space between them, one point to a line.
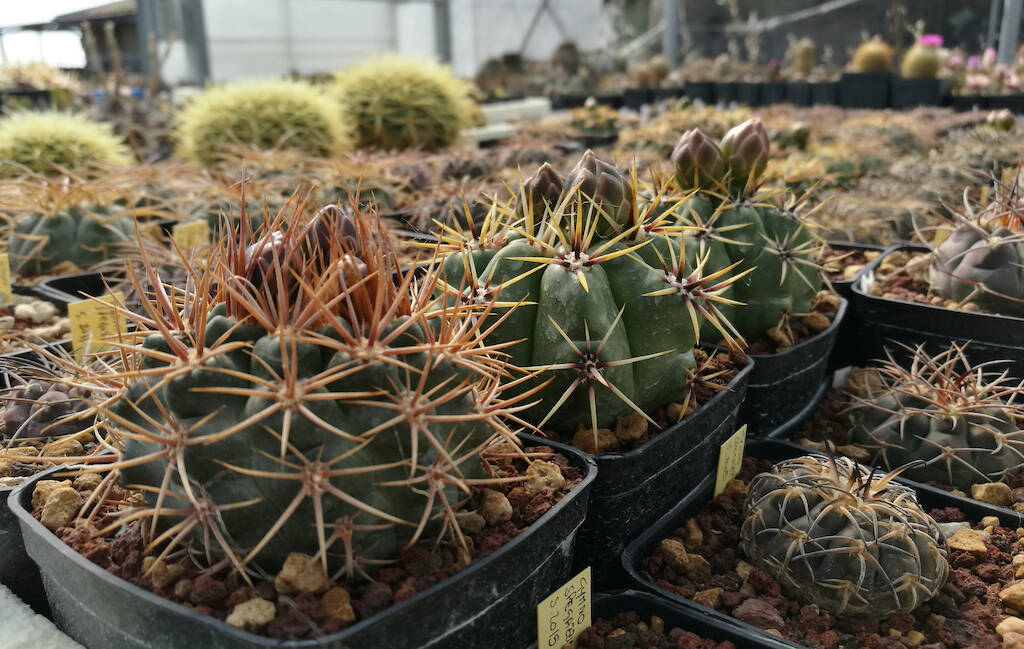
390 575
536 507
207 590
289 623
406 590
759 613
947 515
962 559
967 634
829 639
375 597
764 584
966 582
989 572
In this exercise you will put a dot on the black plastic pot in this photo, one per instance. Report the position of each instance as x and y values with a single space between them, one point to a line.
73 288
825 93
992 337
749 93
608 605
966 103
661 94
17 571
845 352
633 489
866 90
562 102
1012 103
489 604
726 92
613 100
635 98
774 92
595 138
702 90
910 93
798 93
783 384
13 100
647 543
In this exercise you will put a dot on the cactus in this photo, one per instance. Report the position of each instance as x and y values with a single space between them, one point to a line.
401 103
982 258
81 235
308 396
611 303
872 55
959 419
836 534
737 227
803 54
277 114
44 408
922 61
52 143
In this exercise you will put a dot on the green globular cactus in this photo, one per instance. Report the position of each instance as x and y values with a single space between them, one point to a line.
401 103
303 400
958 419
873 55
44 408
610 303
836 534
81 235
922 61
52 143
218 124
743 230
982 258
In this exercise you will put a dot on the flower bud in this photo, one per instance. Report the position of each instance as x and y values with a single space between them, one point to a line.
745 148
603 186
698 161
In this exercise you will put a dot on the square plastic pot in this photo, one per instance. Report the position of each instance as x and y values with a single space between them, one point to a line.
66 289
661 94
633 489
885 321
726 92
490 603
635 98
845 352
690 505
966 103
702 90
613 100
825 93
910 93
749 93
774 92
798 93
1013 103
784 384
866 90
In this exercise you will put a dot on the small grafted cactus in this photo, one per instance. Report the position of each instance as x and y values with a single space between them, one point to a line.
982 258
960 420
81 236
307 396
738 226
836 534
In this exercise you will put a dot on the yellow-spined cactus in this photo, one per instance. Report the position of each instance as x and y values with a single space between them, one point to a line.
873 55
396 102
276 114
52 142
923 60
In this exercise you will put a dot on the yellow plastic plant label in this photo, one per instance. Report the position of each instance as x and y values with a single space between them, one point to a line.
565 613
191 234
93 321
6 293
730 459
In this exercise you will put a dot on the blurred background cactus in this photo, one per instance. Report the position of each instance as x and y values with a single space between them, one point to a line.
924 59
395 102
52 143
873 55
836 534
220 122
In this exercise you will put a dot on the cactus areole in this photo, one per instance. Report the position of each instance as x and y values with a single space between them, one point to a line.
300 399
